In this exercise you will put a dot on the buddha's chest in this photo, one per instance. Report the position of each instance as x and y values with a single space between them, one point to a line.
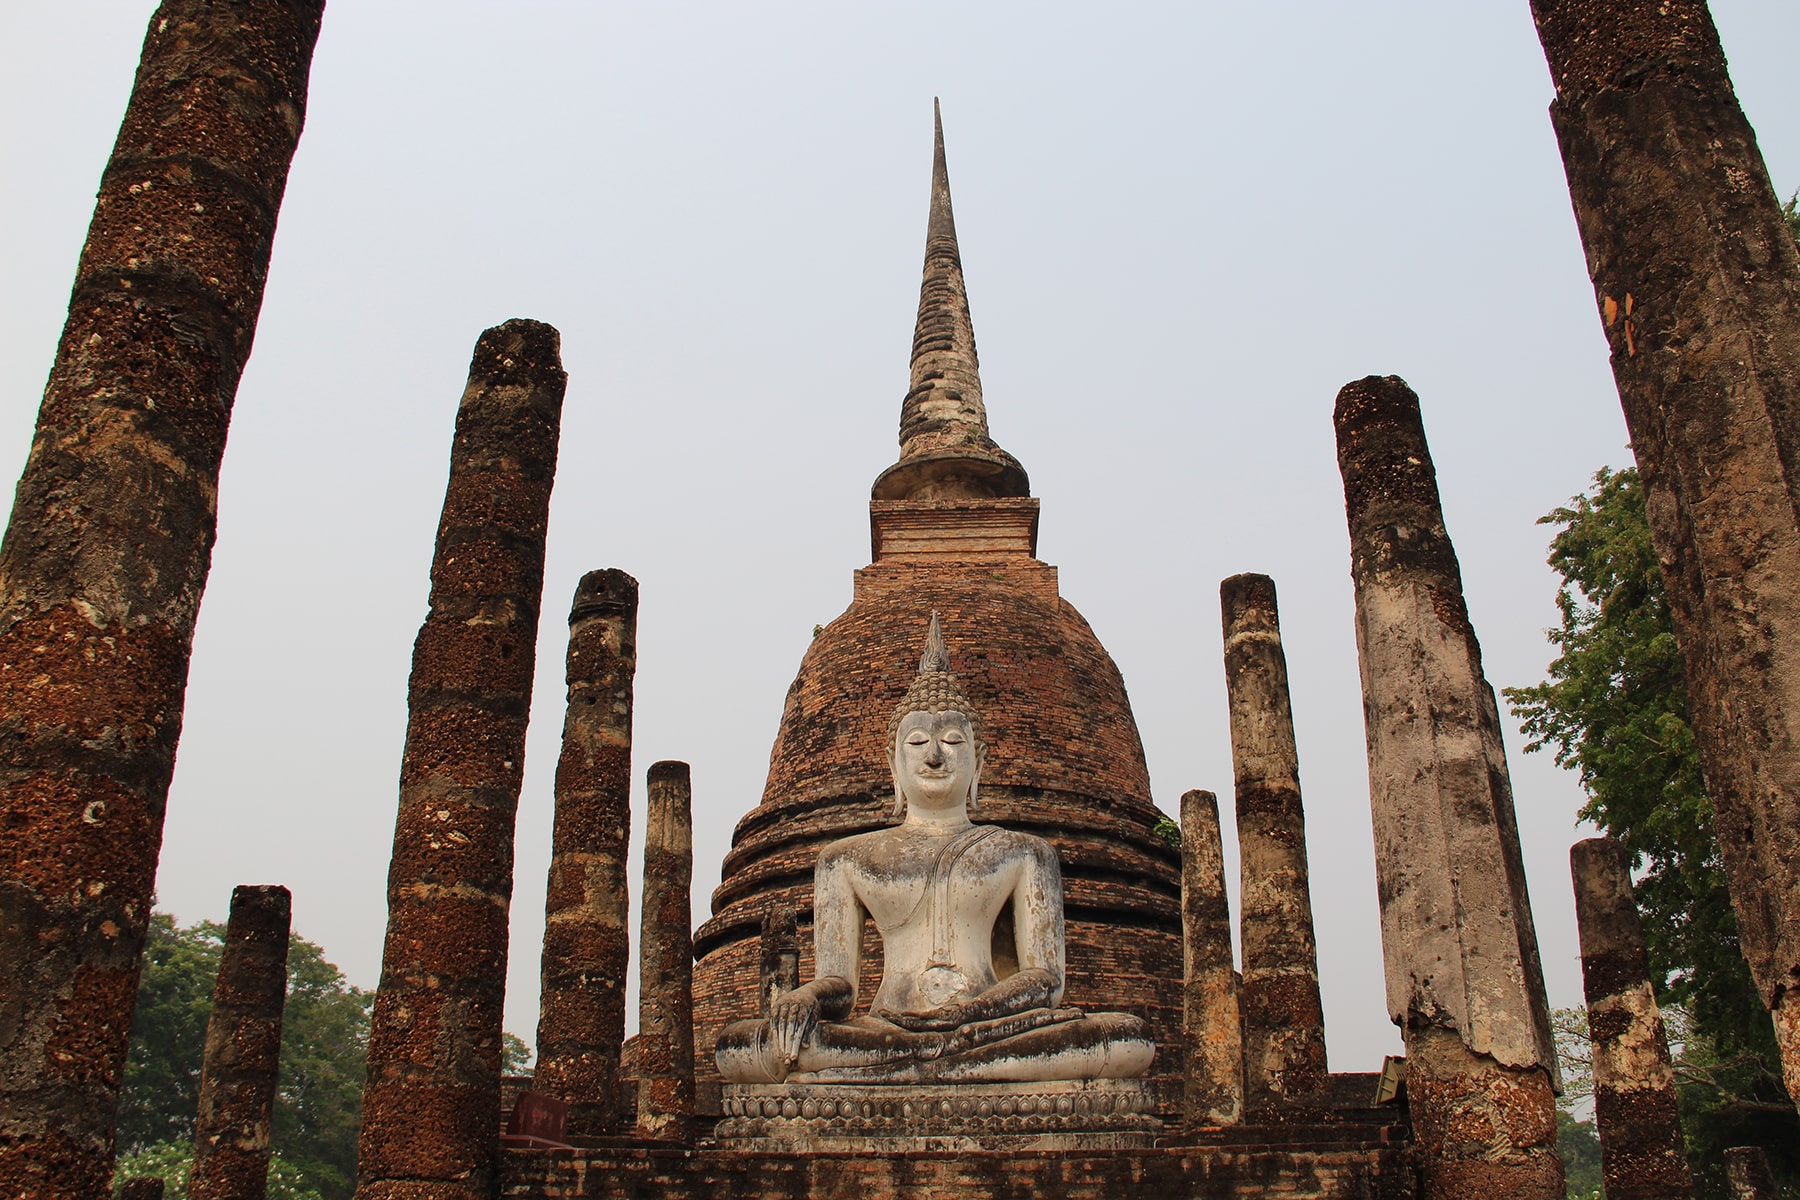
941 889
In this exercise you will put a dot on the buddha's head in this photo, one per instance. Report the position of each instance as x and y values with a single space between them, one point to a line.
934 739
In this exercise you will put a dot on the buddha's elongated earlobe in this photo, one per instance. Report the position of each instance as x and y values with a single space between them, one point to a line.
899 809
975 783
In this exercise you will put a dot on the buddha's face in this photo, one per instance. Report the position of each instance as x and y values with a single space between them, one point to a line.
936 761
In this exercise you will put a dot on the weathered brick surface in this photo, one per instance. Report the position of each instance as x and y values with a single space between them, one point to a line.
243 1050
581 1020
1697 282
1190 1173
431 1105
945 449
107 552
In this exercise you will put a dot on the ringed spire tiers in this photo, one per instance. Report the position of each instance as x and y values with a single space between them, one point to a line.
945 450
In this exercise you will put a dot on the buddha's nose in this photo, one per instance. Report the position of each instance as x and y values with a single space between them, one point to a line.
934 757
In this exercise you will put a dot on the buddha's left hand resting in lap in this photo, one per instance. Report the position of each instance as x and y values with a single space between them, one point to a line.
971 926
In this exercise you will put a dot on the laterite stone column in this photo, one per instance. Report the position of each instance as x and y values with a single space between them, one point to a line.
431 1106
241 1065
1642 1153
1697 281
1284 1019
1747 1171
665 1045
106 556
1463 978
1213 1093
587 940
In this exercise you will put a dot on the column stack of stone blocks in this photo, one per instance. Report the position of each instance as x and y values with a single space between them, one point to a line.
1642 1153
1285 1073
107 552
665 1045
1213 1089
587 939
1463 978
431 1104
1697 280
241 1066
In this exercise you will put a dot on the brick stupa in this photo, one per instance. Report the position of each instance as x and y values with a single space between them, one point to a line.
954 529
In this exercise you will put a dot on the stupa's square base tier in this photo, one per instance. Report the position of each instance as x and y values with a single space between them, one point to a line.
1092 1114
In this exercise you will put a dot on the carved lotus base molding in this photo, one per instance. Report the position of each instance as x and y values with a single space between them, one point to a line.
1096 1114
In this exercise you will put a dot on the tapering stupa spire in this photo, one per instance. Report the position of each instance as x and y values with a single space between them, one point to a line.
945 450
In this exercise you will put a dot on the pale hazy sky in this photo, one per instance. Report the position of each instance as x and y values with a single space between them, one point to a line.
1184 227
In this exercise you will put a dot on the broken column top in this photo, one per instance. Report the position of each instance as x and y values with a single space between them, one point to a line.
1247 599
945 450
1592 47
609 590
1390 485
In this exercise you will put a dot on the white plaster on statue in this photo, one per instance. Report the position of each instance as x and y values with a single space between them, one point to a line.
971 923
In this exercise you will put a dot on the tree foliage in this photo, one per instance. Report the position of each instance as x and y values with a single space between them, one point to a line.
171 1162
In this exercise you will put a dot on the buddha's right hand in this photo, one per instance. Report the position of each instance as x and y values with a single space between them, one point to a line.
793 1018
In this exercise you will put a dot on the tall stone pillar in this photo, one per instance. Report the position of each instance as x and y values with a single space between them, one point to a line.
1642 1153
1698 284
665 1046
239 1070
779 966
1747 1171
431 1105
1463 977
106 556
1214 1090
1284 1019
587 941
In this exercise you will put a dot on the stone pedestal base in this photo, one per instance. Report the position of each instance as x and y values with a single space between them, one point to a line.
1094 1114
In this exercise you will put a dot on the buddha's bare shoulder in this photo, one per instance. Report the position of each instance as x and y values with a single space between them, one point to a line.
1010 844
859 847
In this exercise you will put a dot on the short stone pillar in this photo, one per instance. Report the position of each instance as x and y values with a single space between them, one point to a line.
1697 285
1747 1170
242 1059
1213 1092
1463 978
108 547
779 966
431 1106
665 1044
1284 1019
1642 1153
587 939
141 1187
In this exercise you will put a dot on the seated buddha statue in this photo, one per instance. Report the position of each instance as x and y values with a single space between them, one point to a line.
971 924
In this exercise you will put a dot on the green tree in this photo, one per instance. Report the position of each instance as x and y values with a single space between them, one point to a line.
168 1034
171 1162
325 1028
1614 708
